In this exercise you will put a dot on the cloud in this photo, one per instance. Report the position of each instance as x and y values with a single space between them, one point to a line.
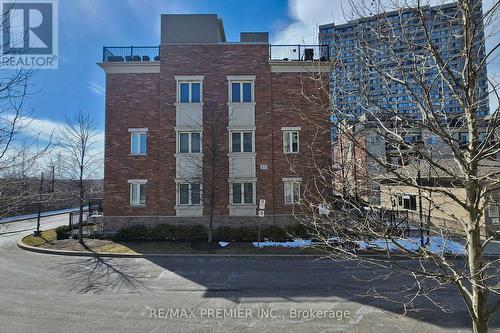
307 16
45 130
97 88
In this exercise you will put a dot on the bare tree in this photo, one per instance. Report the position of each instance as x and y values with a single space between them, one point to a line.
417 89
19 150
82 160
204 167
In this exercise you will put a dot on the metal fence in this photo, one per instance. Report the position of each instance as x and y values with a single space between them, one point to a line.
299 52
74 218
130 53
94 207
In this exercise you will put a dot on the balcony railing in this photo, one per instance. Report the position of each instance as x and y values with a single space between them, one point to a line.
130 53
296 52
299 52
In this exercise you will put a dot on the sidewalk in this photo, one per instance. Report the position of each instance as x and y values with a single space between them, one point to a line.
42 214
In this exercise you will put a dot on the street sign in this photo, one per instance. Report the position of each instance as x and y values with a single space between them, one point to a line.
262 204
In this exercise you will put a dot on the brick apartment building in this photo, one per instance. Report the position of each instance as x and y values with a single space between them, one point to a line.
165 105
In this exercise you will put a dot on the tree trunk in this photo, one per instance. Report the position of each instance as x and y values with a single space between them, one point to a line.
210 227
80 217
479 299
80 224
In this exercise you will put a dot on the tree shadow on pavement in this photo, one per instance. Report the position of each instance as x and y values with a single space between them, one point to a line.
98 274
321 282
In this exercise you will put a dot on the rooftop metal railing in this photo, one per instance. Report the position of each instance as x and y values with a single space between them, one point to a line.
292 52
130 53
299 52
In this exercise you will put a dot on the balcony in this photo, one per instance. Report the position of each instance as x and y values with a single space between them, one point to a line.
299 52
295 52
130 53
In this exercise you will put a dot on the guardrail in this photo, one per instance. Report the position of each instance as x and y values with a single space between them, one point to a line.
299 52
130 53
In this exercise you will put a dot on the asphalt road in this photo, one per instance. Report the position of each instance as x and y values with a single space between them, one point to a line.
45 293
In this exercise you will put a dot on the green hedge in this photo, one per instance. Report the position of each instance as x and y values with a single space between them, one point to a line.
62 232
199 232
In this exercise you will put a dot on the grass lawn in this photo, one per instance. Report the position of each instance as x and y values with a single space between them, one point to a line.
47 236
48 240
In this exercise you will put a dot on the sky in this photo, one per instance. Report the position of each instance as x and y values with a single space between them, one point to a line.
85 26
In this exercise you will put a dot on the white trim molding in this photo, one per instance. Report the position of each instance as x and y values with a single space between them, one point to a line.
291 179
280 66
132 67
138 129
189 77
188 128
241 77
241 103
137 181
290 128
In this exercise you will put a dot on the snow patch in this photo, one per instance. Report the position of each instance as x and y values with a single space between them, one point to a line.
293 244
223 244
437 245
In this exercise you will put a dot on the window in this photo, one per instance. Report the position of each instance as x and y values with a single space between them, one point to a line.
138 142
463 138
189 142
137 193
189 92
290 142
412 138
243 193
292 192
482 136
241 92
241 142
189 194
407 201
493 210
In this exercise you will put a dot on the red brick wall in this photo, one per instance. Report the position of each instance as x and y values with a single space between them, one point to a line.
352 176
132 101
148 100
215 62
300 100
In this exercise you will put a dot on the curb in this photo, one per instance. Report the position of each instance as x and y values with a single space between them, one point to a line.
30 248
42 250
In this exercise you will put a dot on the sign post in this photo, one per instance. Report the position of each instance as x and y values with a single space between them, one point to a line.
262 207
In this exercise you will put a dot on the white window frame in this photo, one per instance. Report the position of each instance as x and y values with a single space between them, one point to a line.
288 184
241 141
139 132
135 185
242 182
290 130
190 80
190 194
240 79
493 210
190 142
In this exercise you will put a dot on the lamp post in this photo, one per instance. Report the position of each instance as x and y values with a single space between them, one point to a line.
39 208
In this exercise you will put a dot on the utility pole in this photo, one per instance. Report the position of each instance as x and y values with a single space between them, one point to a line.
53 177
37 231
